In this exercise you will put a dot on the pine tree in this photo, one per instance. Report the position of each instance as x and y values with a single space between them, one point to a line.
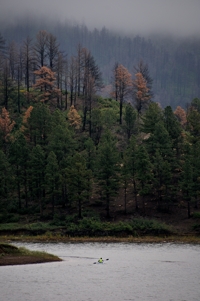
36 165
18 157
5 176
144 172
162 177
131 153
152 116
160 140
174 129
196 170
108 168
90 153
186 182
39 124
52 178
130 119
125 178
77 178
97 125
193 124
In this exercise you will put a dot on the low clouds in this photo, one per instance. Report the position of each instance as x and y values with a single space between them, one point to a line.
178 17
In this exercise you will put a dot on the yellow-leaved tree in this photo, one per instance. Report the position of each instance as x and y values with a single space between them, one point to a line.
74 118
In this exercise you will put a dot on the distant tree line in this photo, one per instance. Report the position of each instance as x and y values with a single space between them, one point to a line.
173 62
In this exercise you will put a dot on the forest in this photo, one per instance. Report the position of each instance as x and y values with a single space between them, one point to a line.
174 62
68 151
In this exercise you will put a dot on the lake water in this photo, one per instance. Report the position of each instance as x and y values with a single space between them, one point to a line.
158 272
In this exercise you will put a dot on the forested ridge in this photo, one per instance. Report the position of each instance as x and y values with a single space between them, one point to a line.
173 61
68 154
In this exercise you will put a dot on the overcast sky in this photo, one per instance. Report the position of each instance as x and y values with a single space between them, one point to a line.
133 16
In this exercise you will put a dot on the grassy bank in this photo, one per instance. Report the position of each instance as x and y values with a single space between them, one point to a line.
11 255
49 237
93 229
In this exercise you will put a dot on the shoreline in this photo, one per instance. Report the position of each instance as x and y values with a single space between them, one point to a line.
107 239
34 257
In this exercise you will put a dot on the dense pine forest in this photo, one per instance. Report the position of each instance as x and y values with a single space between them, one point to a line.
69 153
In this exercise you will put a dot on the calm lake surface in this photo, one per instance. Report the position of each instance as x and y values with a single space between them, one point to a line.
158 272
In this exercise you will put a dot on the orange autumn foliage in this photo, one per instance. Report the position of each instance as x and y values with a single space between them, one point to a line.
122 81
6 125
25 118
181 115
45 83
141 92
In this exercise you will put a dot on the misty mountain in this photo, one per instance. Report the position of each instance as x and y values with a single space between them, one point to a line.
174 63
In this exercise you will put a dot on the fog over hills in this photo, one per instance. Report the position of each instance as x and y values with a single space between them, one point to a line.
179 17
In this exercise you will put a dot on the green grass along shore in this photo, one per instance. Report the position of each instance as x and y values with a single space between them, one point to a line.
12 255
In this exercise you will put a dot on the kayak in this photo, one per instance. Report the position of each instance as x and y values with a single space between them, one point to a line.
101 262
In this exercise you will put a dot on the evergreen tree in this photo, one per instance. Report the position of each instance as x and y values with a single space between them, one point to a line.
131 153
108 168
18 157
130 119
162 177
77 177
5 176
174 129
144 172
193 124
39 124
125 178
52 178
36 175
187 183
90 154
196 104
97 125
160 140
61 141
196 171
152 116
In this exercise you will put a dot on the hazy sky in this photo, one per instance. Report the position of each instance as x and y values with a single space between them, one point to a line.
138 16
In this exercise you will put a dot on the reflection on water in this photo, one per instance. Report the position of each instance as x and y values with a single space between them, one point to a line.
158 272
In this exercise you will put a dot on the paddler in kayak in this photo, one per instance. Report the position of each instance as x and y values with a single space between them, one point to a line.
100 260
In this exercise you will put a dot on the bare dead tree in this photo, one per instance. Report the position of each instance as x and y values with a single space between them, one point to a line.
41 48
52 50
